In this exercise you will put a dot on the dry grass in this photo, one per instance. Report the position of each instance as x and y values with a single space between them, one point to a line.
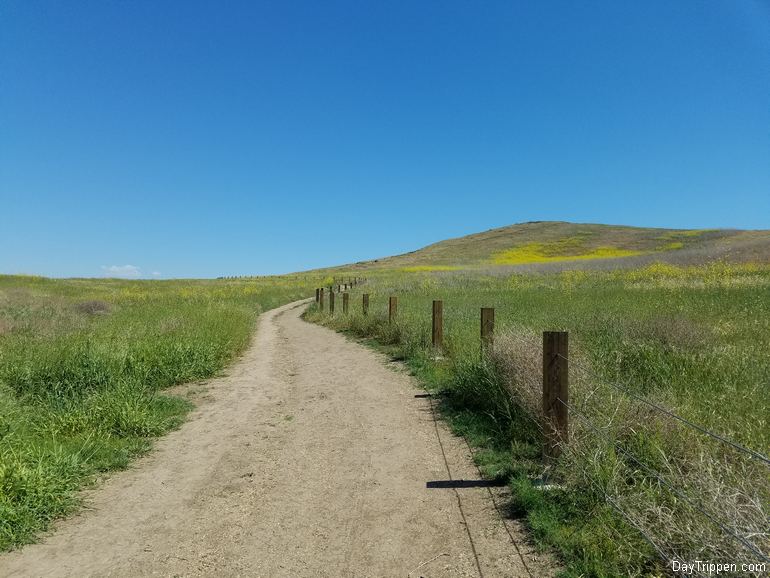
695 498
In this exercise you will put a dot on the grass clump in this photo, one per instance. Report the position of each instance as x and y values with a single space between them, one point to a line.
83 366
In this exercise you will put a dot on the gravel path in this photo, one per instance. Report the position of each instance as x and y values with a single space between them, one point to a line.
310 458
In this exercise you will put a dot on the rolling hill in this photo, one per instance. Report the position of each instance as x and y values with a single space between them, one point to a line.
557 245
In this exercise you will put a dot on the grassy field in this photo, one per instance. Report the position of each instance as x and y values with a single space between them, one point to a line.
675 318
83 365
692 340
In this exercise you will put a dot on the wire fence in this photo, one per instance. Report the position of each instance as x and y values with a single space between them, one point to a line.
666 554
552 381
754 454
662 554
713 519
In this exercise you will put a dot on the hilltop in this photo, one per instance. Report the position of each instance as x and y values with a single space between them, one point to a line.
554 245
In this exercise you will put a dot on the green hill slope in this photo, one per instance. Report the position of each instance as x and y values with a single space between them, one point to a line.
554 245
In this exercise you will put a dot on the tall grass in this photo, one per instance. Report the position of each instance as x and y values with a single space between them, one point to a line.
83 366
690 339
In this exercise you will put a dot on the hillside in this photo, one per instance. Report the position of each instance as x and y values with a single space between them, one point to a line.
554 245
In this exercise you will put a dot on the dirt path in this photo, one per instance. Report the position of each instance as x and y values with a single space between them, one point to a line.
310 458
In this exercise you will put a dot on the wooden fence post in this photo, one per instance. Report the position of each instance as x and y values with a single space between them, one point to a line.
316 295
345 300
365 303
555 391
487 327
331 303
392 308
321 298
437 334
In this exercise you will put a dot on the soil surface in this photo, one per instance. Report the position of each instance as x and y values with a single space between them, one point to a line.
312 457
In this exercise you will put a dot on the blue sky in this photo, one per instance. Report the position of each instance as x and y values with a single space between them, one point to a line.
197 139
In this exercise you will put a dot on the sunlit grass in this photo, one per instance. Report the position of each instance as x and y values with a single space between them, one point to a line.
559 251
691 338
83 366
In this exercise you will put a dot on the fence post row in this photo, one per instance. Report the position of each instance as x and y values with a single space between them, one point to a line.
555 363
555 391
487 327
437 333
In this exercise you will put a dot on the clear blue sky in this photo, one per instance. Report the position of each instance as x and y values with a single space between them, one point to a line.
196 139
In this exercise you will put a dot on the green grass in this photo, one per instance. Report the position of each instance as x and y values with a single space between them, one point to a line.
84 363
83 366
693 339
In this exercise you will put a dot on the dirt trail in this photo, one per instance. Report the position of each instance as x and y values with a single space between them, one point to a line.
310 458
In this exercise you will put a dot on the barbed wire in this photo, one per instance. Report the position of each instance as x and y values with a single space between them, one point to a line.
661 554
748 545
755 454
700 510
